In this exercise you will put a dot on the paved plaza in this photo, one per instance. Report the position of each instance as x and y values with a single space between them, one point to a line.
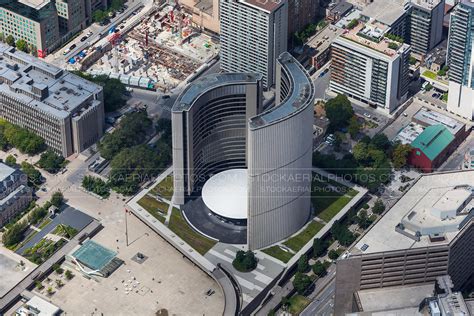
11 271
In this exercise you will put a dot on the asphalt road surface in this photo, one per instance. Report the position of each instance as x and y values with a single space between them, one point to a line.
323 304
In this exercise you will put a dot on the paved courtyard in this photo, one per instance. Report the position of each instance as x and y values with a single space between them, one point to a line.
163 280
11 272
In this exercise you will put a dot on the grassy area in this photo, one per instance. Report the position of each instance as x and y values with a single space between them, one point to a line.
430 74
445 97
164 188
181 228
156 208
65 231
280 254
43 250
44 223
297 242
329 197
297 304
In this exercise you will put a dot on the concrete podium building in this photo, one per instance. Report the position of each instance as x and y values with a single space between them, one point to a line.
252 166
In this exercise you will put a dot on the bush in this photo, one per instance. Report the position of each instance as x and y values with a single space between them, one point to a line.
10 161
69 275
353 23
333 254
393 46
319 269
57 268
379 207
245 261
39 285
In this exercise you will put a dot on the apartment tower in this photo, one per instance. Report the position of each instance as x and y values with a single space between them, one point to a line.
253 34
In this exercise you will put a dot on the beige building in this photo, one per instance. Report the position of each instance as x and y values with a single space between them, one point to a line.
64 109
428 233
205 13
15 195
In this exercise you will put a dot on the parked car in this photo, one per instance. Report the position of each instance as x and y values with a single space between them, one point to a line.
367 115
83 39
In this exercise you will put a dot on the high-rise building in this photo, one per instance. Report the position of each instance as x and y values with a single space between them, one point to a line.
427 234
36 22
253 34
418 22
222 138
300 14
459 60
370 68
65 110
71 16
426 25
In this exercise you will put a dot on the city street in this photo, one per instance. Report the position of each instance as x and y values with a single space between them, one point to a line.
323 304
98 32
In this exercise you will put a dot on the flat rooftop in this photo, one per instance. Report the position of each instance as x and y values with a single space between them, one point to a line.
265 5
385 11
36 4
409 133
372 35
426 4
422 195
394 298
43 86
427 117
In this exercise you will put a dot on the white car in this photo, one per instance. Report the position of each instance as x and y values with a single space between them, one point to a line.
367 115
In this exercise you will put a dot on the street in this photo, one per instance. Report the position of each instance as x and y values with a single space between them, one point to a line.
323 304
455 161
60 60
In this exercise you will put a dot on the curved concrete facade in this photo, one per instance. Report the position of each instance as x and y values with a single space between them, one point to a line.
218 124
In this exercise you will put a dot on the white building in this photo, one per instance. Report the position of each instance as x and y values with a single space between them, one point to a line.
253 34
370 68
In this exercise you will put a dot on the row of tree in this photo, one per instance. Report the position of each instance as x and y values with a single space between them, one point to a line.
20 44
25 141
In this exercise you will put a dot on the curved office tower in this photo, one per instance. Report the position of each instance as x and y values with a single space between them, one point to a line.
252 167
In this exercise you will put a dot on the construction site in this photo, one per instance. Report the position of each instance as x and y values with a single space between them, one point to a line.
159 52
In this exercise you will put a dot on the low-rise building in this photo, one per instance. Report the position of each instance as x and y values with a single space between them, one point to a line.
319 47
428 233
335 13
15 195
65 110
37 306
205 13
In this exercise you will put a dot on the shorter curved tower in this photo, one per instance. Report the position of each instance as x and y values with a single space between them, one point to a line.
219 125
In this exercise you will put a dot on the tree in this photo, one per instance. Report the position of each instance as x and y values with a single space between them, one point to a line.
428 87
301 282
69 275
116 5
22 45
342 234
57 268
10 160
363 220
353 23
245 261
14 234
34 176
98 16
319 269
10 40
354 127
96 185
59 283
131 132
378 207
400 155
57 199
39 285
339 111
412 60
319 247
303 265
380 141
2 37
50 161
360 152
333 254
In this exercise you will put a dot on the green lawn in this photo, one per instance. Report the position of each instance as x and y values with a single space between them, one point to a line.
44 223
445 97
329 197
280 254
297 242
156 208
430 74
297 304
164 188
181 228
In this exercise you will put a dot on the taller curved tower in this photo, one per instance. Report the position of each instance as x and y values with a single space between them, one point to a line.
219 125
